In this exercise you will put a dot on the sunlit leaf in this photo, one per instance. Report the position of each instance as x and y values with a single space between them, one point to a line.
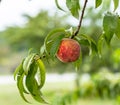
74 7
98 3
116 4
69 31
42 50
27 62
42 72
110 23
30 51
116 55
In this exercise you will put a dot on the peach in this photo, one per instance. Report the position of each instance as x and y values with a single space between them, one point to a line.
69 50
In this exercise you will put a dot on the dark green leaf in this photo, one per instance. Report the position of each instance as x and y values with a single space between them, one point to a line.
94 47
32 85
89 42
27 62
98 3
82 41
117 32
55 45
116 4
110 23
57 4
74 7
48 38
42 72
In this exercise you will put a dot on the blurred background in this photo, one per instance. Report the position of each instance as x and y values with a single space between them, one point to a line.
24 24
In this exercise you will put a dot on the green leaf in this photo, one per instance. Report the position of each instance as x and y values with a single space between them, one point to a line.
32 85
110 23
94 47
20 67
50 36
42 72
42 50
82 41
98 3
18 73
117 31
69 32
116 56
116 4
74 7
58 6
21 86
89 42
78 62
30 51
27 62
100 45
55 45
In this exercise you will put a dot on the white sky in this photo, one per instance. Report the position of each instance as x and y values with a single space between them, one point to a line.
11 10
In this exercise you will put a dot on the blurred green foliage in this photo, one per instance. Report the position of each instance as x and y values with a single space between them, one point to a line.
32 34
102 85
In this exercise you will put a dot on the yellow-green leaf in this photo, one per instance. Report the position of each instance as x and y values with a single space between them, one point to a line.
116 4
21 86
42 72
117 31
98 3
27 62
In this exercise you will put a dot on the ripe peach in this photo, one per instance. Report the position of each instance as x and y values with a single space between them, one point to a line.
69 50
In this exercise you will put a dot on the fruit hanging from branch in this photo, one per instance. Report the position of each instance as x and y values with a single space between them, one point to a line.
69 50
66 46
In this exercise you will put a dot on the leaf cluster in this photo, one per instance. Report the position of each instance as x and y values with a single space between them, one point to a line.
27 80
74 6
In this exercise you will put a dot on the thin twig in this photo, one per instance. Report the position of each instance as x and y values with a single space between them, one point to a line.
80 22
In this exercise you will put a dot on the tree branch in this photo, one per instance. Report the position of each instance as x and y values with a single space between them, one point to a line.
80 22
